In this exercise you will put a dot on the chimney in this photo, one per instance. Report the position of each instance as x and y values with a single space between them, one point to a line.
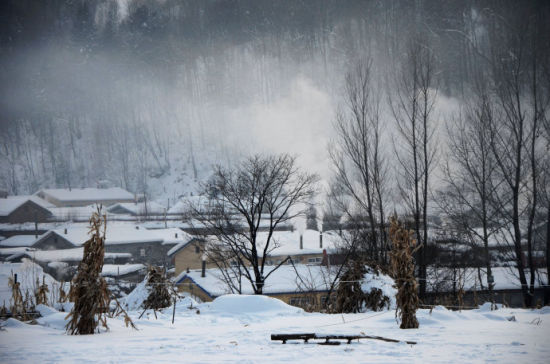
203 271
321 239
301 242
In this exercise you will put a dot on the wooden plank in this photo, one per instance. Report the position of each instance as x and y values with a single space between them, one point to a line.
309 336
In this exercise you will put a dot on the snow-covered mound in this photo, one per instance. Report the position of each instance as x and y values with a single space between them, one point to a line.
52 318
27 273
374 279
135 299
252 304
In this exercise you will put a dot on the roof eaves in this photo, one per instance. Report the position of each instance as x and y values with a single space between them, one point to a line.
179 281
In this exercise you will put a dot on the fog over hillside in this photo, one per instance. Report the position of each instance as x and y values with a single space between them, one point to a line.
147 95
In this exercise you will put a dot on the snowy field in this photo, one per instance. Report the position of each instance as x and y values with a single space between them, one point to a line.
238 328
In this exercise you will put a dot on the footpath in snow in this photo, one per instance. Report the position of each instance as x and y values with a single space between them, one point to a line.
238 329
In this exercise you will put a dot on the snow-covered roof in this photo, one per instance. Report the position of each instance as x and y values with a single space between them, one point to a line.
115 234
183 244
115 270
139 208
18 240
11 203
288 242
283 280
11 251
66 255
185 203
81 213
172 236
88 194
284 243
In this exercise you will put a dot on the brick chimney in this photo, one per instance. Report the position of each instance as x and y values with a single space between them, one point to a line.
203 270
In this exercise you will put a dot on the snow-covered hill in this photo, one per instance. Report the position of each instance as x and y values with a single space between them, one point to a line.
238 329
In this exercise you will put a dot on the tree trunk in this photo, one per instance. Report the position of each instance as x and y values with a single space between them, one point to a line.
547 287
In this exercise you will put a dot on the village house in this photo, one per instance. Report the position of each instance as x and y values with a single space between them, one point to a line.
309 247
189 254
137 209
132 273
20 209
65 197
145 246
305 286
18 241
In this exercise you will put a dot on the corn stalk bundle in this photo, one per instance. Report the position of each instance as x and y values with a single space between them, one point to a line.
42 291
89 290
18 307
349 296
160 291
402 265
63 297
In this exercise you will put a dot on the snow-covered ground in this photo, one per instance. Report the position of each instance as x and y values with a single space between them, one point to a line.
238 329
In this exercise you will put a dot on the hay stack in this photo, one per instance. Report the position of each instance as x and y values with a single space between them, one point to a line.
160 290
89 290
402 265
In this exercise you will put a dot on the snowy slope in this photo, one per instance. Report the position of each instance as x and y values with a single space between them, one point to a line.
237 329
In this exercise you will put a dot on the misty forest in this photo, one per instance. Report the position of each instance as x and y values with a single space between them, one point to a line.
211 172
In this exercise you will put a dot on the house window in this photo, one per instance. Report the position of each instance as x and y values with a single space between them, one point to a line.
301 301
197 249
314 260
142 252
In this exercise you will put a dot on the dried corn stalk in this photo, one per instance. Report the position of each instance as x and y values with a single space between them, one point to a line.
402 264
18 308
62 294
349 296
42 291
89 290
160 290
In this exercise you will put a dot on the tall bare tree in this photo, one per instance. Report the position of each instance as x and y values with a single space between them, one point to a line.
261 192
469 172
357 158
412 104
516 71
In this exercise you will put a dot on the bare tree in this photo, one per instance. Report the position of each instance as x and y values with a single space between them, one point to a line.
516 74
469 173
412 105
262 192
357 158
